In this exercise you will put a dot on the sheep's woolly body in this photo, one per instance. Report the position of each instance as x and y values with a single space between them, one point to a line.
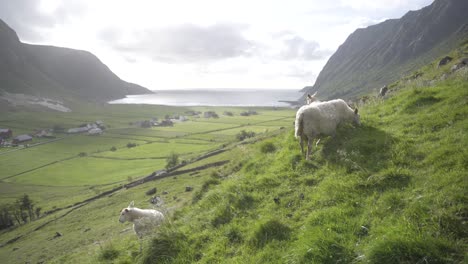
321 118
144 220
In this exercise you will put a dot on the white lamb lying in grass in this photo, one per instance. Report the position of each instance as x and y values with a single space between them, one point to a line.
144 220
322 118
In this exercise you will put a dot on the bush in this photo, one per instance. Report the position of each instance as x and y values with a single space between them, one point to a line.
151 191
244 134
113 148
82 154
268 147
172 160
131 145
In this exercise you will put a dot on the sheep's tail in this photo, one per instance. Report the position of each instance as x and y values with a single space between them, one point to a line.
298 125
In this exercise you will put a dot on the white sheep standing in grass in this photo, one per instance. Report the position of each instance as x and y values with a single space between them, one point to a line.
322 118
144 220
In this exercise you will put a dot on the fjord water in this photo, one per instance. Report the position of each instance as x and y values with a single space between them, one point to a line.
215 97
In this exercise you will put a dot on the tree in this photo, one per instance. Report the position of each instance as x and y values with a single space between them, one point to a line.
172 160
27 206
6 218
38 212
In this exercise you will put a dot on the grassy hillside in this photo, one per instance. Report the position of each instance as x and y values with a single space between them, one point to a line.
393 190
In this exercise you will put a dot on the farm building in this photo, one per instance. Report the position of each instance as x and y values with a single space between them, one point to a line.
77 130
21 139
46 133
95 131
5 133
210 114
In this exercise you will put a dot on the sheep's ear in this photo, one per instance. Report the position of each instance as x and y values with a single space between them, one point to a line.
126 210
356 111
309 96
132 204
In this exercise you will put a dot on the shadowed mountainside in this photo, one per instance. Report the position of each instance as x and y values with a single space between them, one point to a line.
380 54
58 73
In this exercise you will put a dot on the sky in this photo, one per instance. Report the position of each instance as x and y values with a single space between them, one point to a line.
184 44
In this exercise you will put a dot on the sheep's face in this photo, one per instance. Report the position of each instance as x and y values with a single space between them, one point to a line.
124 215
357 118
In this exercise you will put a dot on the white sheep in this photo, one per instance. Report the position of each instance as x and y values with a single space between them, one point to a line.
144 220
322 118
311 98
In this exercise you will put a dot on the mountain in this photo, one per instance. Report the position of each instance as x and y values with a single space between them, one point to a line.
58 73
380 54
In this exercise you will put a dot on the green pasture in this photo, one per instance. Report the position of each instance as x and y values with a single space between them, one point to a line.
89 171
157 150
191 127
71 146
85 237
153 133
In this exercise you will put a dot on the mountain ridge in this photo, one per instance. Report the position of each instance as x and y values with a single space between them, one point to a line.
380 54
57 72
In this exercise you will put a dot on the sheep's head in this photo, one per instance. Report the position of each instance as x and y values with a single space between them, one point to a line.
311 98
125 213
356 118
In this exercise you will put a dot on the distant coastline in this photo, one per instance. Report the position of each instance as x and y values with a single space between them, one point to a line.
216 97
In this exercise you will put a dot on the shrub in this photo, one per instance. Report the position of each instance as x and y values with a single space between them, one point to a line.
244 134
113 148
268 147
131 145
82 154
151 191
108 253
172 160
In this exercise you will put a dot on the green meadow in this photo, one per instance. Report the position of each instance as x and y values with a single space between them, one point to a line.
393 190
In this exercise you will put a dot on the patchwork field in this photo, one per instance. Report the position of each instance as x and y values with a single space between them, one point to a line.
70 168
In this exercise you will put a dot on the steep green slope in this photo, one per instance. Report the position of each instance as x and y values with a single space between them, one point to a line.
58 73
391 191
381 54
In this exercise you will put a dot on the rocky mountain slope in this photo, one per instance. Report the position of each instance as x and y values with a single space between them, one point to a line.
380 54
58 73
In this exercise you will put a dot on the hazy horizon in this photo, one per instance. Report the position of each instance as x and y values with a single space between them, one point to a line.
215 97
204 43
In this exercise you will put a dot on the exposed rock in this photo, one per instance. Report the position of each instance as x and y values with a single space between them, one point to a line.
383 91
277 200
444 61
151 191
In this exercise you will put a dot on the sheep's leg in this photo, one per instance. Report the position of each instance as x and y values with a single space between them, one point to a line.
316 144
302 141
309 147
141 244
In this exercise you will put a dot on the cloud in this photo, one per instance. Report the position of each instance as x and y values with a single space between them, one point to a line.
183 43
295 47
29 17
